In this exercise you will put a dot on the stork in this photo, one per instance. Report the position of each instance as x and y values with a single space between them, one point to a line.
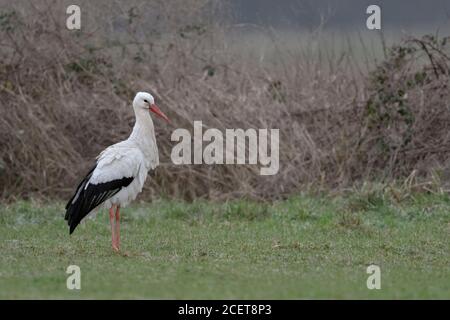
119 172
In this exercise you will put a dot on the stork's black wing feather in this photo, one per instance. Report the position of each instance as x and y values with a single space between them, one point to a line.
88 198
80 187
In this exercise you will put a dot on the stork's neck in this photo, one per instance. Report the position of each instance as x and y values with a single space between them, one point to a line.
143 135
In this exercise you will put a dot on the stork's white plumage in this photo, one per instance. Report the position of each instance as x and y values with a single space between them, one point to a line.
120 171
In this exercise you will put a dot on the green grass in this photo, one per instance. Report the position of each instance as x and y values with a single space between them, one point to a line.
304 247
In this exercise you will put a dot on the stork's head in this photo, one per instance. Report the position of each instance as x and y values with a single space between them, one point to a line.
145 101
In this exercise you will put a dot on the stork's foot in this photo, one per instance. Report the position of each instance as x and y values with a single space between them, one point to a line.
115 244
125 254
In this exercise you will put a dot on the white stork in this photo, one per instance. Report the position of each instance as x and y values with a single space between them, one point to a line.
120 171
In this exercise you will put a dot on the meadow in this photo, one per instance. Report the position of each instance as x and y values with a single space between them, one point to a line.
307 246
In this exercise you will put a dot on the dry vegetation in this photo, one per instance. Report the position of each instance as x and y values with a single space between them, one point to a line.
65 95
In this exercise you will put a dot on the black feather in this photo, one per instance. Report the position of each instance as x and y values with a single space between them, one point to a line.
87 199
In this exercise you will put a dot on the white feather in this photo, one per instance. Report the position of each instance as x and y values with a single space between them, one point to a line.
121 160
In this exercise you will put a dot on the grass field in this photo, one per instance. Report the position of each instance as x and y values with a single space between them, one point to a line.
304 247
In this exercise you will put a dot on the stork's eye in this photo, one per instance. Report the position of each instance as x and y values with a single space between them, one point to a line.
145 100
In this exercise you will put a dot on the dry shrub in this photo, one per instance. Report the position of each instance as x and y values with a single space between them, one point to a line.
65 95
407 113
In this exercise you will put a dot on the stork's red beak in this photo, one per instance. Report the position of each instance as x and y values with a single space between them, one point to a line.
154 108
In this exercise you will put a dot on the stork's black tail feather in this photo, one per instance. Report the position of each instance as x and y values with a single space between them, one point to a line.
88 196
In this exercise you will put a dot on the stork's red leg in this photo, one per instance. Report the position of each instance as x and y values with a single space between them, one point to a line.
113 229
118 227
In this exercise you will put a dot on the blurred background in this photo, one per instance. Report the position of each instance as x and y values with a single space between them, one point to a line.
343 14
352 105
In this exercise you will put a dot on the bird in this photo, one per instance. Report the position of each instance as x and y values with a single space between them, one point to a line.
120 171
